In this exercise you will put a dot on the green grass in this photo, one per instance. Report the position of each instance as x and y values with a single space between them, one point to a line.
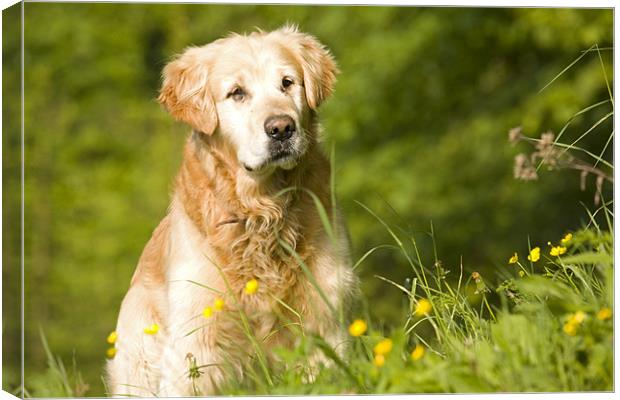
523 341
477 338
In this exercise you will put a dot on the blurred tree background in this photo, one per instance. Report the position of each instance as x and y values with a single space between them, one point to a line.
419 121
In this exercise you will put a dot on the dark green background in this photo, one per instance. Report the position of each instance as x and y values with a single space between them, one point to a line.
419 121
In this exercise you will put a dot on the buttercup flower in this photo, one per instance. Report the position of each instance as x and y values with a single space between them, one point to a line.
357 328
218 304
521 273
557 250
573 322
534 254
604 314
514 259
418 352
112 337
423 307
251 287
151 330
570 329
578 317
207 312
379 360
567 238
383 347
110 353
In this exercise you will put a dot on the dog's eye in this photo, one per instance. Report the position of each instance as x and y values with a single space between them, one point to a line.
286 82
237 94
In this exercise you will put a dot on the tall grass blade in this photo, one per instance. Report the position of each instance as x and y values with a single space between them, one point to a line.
372 250
567 68
308 274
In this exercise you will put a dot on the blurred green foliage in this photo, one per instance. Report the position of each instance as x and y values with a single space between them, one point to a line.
11 178
419 120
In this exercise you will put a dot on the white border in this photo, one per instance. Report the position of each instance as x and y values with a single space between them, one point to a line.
527 3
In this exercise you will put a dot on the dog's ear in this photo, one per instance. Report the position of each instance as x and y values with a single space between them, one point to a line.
185 93
319 66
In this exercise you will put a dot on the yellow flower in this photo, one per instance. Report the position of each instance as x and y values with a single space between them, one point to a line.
573 322
578 317
521 273
570 329
423 307
218 304
151 330
534 254
357 328
557 250
112 337
251 287
383 347
604 314
567 238
379 360
418 352
207 312
514 259
110 353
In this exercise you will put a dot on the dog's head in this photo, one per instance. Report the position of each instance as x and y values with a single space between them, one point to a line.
259 92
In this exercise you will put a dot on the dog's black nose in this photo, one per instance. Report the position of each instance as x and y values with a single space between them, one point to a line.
280 127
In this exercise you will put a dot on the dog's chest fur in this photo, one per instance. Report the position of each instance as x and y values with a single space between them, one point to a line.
248 228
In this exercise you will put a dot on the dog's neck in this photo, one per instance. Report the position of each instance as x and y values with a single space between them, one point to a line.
216 190
245 221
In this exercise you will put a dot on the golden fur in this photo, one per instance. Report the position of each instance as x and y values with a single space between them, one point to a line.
227 219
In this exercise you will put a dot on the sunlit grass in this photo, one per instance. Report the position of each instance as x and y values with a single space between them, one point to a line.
550 330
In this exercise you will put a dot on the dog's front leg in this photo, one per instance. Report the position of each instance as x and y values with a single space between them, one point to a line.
189 366
134 371
339 286
191 360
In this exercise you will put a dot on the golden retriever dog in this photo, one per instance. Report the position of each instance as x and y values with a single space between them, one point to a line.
242 248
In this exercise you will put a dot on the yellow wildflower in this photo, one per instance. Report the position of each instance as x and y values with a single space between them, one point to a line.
151 330
570 329
207 312
521 273
475 276
379 360
251 286
110 353
357 328
604 314
218 304
112 337
567 238
383 347
423 307
578 317
557 250
514 259
573 322
418 352
534 254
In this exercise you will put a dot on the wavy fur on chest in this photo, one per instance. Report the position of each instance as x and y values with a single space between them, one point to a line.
245 220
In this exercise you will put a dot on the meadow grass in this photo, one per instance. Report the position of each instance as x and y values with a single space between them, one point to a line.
548 328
